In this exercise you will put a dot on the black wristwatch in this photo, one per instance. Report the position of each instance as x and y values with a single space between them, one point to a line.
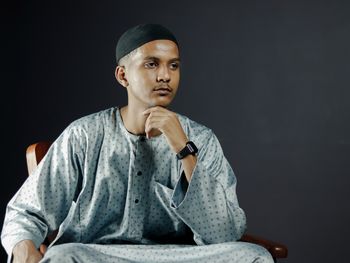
190 148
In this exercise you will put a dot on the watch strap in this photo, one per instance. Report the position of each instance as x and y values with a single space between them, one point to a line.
190 148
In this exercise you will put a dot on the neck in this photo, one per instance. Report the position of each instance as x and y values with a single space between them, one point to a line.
133 119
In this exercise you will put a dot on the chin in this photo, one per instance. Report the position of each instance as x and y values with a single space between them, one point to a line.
162 103
165 105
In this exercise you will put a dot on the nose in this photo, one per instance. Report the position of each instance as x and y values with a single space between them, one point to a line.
163 74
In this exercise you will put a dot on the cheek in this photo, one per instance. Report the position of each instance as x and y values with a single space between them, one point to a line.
144 77
176 77
150 75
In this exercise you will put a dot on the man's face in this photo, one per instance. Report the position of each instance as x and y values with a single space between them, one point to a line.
153 74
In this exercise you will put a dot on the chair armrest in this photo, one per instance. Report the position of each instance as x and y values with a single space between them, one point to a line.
277 250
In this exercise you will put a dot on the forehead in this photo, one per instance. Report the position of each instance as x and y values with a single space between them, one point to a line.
162 49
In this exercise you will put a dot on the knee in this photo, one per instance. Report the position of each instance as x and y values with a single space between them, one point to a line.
263 256
62 253
247 253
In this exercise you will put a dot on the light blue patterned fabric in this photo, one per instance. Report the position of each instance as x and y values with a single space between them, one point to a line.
100 184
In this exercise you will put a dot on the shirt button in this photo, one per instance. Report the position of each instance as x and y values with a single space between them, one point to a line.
139 173
136 201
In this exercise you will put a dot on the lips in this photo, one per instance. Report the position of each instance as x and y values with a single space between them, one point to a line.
162 92
163 89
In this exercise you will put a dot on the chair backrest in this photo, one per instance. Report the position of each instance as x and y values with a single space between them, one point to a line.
35 152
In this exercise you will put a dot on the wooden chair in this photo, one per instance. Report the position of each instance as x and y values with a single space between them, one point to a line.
37 151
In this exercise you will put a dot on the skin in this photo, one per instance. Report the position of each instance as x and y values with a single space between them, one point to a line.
152 66
25 251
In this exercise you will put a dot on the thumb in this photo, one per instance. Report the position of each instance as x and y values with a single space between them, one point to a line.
151 133
42 249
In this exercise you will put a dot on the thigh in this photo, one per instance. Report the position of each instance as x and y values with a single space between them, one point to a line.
244 252
77 253
241 252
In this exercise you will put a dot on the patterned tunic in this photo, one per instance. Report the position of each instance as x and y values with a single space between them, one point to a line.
100 184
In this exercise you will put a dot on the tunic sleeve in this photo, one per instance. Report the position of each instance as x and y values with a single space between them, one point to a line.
43 201
208 204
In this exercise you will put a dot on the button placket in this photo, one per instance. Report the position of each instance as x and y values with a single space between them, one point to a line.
136 198
139 160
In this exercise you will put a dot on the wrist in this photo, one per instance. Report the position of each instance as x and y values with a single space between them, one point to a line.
24 245
180 145
189 149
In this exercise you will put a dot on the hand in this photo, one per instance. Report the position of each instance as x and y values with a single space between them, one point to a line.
166 121
25 251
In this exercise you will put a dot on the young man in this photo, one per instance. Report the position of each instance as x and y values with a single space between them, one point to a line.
136 183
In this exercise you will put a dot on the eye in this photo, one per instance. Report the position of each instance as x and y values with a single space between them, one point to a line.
174 65
150 64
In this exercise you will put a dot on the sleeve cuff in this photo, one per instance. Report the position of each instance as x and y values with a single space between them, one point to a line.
182 187
180 190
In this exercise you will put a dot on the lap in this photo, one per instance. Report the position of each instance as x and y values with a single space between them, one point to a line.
224 252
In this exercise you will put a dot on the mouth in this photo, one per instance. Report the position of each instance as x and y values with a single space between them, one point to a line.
163 90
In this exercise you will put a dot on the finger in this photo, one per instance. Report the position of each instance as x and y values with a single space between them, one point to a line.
151 133
152 119
154 123
155 109
152 127
148 111
156 118
157 113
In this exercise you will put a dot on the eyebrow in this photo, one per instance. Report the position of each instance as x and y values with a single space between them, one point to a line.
157 59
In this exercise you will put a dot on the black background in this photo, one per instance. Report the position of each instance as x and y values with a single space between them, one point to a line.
271 78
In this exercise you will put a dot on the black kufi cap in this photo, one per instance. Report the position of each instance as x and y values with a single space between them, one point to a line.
139 35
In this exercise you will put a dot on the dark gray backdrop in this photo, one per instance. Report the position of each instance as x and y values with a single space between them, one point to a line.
271 78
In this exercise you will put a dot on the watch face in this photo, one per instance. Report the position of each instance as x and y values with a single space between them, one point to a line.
192 147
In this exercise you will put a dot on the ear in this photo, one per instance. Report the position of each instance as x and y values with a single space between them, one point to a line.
120 76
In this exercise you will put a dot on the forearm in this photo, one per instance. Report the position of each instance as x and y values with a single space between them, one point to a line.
25 251
188 164
22 222
23 246
209 209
